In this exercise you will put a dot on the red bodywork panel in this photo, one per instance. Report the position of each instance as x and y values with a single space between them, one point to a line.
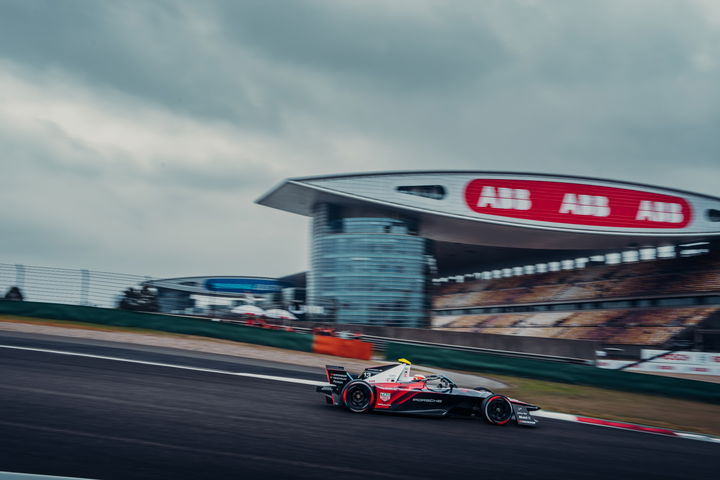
397 393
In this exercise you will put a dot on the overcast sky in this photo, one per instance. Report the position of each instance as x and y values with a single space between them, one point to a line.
136 135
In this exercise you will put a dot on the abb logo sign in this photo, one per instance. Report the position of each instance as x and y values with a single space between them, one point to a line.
660 212
505 198
576 204
594 205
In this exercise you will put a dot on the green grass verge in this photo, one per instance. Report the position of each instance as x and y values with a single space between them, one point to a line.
653 410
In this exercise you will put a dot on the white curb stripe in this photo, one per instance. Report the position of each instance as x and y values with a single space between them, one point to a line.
697 436
169 365
555 415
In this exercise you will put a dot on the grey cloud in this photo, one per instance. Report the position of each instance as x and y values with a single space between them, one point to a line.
213 175
64 156
611 89
148 50
363 46
23 237
154 51
254 62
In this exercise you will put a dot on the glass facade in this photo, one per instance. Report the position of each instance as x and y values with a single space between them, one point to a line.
367 269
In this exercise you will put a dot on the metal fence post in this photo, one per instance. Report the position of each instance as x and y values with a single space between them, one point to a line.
84 286
20 275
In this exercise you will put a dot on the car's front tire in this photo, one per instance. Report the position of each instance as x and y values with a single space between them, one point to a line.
358 396
497 410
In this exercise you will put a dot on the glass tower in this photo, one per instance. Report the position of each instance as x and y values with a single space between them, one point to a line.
367 268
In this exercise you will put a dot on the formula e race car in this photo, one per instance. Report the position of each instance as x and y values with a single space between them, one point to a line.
391 388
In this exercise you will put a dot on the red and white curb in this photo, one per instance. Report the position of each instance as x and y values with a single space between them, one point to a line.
625 426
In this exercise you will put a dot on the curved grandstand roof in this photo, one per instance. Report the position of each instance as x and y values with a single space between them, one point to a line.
499 215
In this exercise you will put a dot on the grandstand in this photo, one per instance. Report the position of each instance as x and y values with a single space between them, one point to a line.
534 255
657 303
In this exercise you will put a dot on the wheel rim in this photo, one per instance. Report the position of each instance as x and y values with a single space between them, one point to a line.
358 398
498 410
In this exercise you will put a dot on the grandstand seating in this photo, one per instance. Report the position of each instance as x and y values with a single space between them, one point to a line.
631 326
647 326
651 278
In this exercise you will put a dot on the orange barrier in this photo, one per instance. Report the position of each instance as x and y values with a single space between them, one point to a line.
341 347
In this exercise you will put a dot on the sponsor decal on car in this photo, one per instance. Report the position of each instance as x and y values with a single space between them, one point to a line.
384 396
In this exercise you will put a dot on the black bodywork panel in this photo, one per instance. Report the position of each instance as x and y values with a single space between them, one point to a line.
420 397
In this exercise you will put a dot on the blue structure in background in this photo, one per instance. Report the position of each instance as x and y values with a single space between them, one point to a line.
175 295
368 269
243 285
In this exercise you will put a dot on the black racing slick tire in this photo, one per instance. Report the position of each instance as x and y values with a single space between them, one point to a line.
497 410
358 396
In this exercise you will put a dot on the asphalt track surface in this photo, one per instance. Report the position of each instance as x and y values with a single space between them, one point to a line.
93 418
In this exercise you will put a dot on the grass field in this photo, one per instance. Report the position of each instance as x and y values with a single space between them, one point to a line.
615 405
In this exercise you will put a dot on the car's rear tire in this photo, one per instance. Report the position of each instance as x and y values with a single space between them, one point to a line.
358 396
497 410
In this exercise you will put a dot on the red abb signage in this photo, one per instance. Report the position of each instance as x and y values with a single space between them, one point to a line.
576 204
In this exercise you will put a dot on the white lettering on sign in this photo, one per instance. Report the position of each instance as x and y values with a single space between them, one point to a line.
594 205
505 198
679 357
659 212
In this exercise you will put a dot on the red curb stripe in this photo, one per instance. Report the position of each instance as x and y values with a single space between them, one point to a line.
627 426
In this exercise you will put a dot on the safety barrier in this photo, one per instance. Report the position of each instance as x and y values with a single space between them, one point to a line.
579 351
166 323
341 347
555 371
66 285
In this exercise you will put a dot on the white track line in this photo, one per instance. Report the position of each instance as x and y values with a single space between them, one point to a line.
170 365
31 476
543 413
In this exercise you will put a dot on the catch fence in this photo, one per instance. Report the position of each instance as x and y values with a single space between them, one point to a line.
67 286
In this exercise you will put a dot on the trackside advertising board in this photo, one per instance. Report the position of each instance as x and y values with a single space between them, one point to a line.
577 204
698 363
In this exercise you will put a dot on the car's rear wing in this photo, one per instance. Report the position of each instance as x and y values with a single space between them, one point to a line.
337 376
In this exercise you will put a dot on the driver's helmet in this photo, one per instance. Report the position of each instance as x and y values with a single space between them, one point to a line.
418 378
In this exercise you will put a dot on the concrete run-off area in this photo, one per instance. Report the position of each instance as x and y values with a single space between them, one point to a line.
218 346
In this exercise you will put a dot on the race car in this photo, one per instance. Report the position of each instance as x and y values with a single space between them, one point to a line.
392 388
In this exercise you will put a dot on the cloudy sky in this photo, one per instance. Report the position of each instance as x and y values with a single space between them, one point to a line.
136 135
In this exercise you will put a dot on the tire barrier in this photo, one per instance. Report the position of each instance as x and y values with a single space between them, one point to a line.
556 372
165 323
341 347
